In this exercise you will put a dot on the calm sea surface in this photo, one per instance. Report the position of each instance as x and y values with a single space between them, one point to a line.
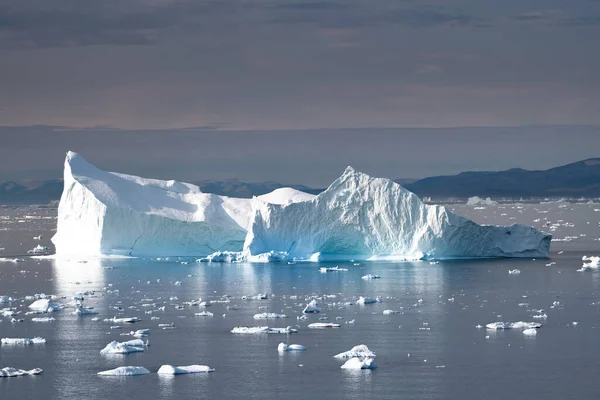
430 349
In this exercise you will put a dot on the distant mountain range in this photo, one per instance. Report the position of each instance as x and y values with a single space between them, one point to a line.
579 179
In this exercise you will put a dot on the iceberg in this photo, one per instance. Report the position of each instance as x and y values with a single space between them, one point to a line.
357 363
125 371
44 306
591 263
312 307
359 217
360 351
188 369
108 213
476 200
321 325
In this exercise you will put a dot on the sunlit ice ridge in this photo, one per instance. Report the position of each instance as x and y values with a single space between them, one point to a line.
358 217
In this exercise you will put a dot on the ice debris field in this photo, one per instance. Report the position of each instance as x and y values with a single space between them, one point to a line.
357 217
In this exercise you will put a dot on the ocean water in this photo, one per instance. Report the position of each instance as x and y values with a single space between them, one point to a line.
430 349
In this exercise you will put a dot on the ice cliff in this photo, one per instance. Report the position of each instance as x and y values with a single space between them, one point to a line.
110 213
360 217
357 217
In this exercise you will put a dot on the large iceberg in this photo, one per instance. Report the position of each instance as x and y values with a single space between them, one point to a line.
110 213
357 217
360 217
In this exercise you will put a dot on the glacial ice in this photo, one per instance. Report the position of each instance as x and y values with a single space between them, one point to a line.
131 346
590 263
188 369
44 306
262 329
311 308
358 217
357 363
513 325
9 372
360 350
476 201
269 316
292 347
125 371
22 341
530 332
103 213
320 325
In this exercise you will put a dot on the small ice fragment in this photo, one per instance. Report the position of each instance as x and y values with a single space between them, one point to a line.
188 369
269 316
292 347
530 332
125 371
369 277
9 372
311 307
514 272
317 325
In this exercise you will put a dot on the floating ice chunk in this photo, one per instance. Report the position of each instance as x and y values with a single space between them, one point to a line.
514 271
45 305
292 347
188 369
132 346
22 341
311 308
262 329
530 332
125 371
39 249
475 201
390 312
357 363
125 320
357 351
223 257
368 300
9 372
7 299
38 237
369 277
318 325
269 316
43 319
140 333
81 310
332 269
204 314
590 263
513 325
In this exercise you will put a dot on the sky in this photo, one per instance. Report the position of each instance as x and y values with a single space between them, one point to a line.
146 73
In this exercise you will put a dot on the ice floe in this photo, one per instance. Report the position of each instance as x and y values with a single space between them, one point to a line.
9 372
22 341
188 369
262 329
269 316
291 347
512 325
131 346
318 325
125 371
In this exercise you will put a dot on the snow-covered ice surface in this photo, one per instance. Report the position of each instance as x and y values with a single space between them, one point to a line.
359 217
360 350
424 351
10 372
358 363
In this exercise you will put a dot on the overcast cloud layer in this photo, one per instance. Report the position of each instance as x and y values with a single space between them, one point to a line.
289 64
